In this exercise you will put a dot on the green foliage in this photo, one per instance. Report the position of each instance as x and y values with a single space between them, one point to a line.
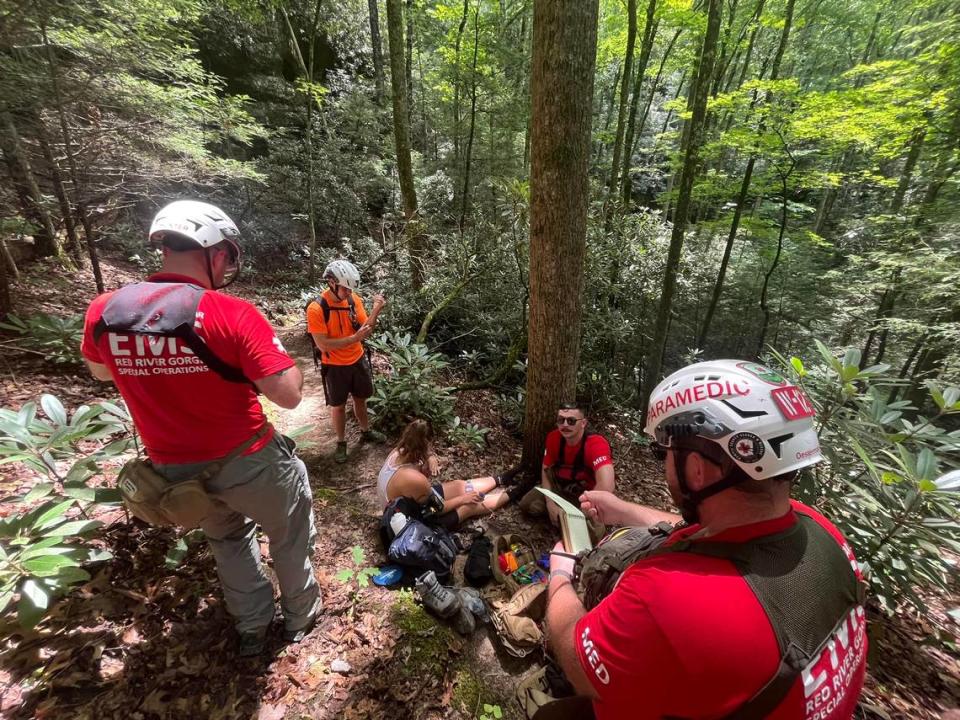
879 484
44 544
358 573
467 433
491 712
57 338
411 389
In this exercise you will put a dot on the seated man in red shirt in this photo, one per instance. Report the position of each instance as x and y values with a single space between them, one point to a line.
189 362
751 609
574 460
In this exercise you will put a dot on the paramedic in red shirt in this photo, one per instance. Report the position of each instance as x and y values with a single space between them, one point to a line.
188 415
574 460
683 634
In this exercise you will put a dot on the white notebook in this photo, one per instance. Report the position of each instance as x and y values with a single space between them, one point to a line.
573 524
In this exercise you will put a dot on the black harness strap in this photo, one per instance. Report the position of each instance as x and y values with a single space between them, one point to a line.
350 309
579 463
163 310
806 586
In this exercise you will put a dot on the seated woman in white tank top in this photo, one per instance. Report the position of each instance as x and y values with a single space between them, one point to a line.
410 465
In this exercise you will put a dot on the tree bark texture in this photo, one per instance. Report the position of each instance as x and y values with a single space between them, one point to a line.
561 89
401 135
697 102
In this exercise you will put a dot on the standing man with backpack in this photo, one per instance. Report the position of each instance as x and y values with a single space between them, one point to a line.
574 460
750 608
189 362
338 324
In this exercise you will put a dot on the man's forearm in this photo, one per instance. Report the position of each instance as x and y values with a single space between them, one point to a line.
564 609
327 343
643 516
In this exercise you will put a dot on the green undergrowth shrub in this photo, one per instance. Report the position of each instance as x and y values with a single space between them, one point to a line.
52 336
883 483
45 542
412 389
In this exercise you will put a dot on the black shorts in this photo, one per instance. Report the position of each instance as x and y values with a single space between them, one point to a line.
344 380
448 520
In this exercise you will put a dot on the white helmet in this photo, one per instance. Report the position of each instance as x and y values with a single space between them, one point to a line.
753 414
344 273
202 224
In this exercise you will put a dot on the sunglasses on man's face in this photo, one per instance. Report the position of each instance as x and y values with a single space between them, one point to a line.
567 421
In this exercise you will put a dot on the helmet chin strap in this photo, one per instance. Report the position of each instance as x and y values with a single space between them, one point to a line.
690 500
206 255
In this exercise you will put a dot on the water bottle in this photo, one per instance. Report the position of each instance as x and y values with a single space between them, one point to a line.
398 522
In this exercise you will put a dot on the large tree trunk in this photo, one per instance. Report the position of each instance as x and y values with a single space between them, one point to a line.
697 102
401 135
561 89
377 45
646 47
624 96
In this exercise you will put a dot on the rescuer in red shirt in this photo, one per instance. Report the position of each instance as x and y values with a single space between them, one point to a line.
753 608
189 362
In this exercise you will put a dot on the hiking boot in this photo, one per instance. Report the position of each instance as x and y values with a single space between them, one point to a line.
295 636
340 454
441 600
521 488
372 436
253 642
510 477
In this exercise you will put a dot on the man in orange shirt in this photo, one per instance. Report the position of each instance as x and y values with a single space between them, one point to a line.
338 324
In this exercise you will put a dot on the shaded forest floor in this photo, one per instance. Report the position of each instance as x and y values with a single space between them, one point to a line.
143 641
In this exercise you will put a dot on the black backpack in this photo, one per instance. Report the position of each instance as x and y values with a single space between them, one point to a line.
478 572
419 548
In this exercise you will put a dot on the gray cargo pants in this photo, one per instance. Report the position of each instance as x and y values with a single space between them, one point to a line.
270 488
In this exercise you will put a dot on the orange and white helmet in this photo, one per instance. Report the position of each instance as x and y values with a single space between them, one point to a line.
753 414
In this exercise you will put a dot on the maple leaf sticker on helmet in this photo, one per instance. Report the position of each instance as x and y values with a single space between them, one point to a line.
746 447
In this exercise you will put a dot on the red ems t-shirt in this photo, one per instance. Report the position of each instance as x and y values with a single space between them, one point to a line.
596 454
185 412
683 635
